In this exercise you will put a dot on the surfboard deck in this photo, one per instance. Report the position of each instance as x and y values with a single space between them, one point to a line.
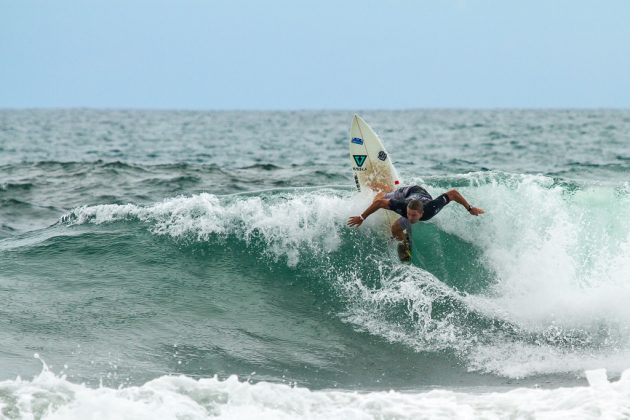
371 163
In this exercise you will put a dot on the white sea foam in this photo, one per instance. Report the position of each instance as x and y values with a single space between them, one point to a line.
415 291
177 397
562 265
287 222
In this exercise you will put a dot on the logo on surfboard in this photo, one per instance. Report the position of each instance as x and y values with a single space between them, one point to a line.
382 155
356 181
357 140
359 159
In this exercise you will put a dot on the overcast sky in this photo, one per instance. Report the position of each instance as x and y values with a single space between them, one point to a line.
324 54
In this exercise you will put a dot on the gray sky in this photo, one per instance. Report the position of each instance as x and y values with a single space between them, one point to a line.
239 54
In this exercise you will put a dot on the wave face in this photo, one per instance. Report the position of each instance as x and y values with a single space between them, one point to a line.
162 254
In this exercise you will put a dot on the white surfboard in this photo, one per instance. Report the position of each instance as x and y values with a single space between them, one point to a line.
371 164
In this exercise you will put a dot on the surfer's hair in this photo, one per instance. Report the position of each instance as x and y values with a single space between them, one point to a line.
415 205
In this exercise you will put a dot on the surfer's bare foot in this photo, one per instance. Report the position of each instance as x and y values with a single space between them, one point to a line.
403 252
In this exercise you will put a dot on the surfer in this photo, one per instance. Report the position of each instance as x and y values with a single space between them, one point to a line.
413 204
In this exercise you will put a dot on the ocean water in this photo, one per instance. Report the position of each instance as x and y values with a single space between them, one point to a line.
164 264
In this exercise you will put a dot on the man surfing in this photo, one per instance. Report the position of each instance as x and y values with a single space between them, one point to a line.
413 204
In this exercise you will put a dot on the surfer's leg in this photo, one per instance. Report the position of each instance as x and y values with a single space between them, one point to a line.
404 248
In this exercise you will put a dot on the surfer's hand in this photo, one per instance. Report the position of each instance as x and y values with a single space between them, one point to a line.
355 221
476 211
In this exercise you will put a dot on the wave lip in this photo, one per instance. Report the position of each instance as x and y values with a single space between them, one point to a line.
288 224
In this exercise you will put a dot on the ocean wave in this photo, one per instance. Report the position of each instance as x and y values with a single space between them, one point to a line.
553 257
15 186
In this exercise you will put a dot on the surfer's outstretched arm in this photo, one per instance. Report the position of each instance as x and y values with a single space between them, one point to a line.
379 203
454 195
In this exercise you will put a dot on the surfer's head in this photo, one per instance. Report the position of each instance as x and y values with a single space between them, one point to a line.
415 208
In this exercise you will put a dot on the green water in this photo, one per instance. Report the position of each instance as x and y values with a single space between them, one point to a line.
135 245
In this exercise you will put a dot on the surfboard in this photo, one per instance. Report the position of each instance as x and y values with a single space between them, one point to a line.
371 163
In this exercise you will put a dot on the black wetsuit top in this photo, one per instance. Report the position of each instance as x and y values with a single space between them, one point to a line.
399 199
